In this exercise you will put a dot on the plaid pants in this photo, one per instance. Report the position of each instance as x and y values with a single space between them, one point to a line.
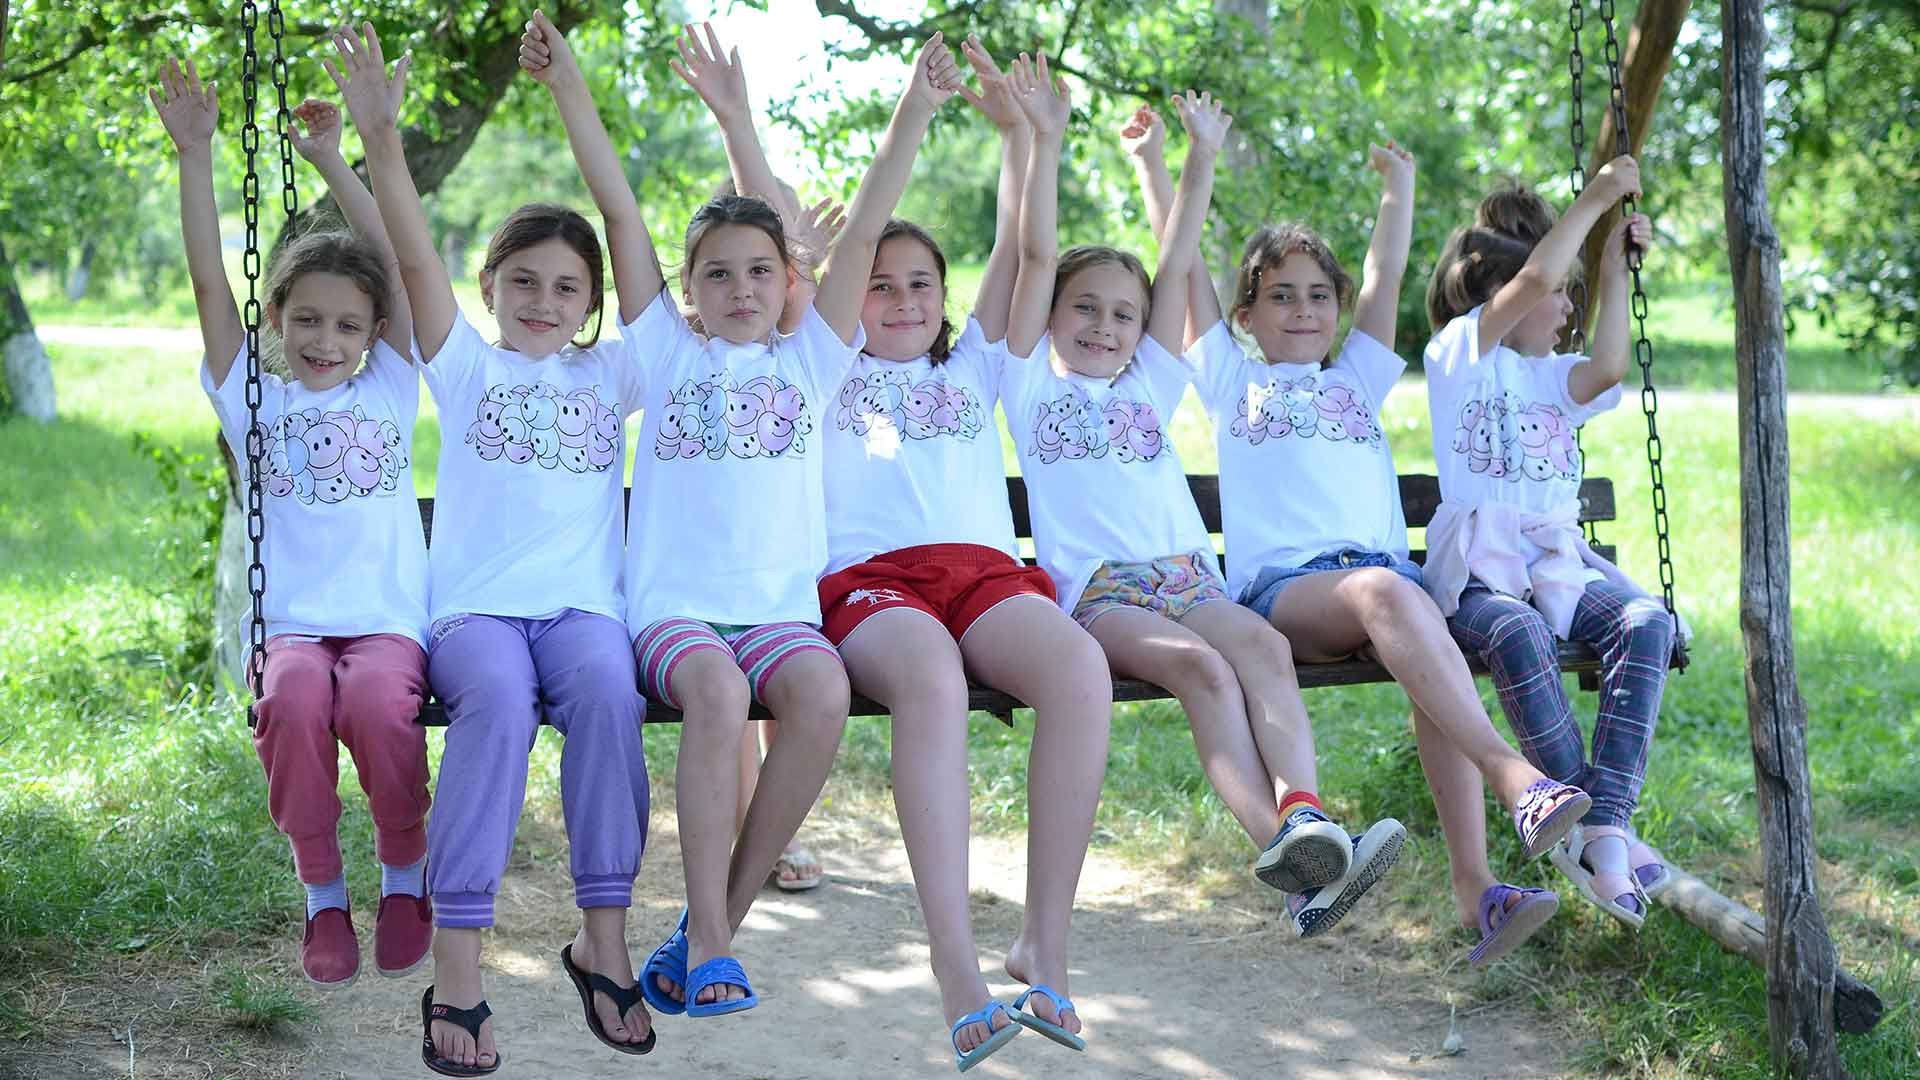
1634 636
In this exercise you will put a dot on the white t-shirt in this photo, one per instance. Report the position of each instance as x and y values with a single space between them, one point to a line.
728 518
1103 481
1304 466
526 521
342 543
1503 423
913 456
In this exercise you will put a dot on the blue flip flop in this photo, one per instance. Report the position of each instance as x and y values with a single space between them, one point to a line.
719 971
1000 1036
670 959
1051 1030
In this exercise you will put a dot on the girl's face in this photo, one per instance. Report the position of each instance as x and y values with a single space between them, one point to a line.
1097 321
1538 331
539 296
1295 311
736 283
326 328
905 303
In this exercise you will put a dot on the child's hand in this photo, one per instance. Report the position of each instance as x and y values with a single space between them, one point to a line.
1205 120
1620 177
1632 235
1044 99
545 55
1392 162
1144 135
935 76
994 98
188 110
322 138
371 96
713 72
810 237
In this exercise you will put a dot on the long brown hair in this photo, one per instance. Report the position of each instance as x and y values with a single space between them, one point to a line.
1479 258
331 251
942 346
536 223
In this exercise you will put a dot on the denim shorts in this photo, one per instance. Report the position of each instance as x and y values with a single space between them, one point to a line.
1267 584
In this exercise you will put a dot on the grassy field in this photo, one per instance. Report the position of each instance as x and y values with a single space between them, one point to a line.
133 827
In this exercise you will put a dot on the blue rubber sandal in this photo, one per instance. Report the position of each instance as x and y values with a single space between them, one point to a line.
1000 1036
719 971
670 959
1061 1004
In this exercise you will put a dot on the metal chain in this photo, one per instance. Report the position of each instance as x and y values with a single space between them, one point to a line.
1642 345
283 122
250 265
1577 177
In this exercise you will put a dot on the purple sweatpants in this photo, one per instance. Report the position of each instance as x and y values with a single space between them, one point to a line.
496 675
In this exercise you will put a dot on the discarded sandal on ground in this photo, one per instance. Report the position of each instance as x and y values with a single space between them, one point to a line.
467 1019
1505 926
797 861
623 997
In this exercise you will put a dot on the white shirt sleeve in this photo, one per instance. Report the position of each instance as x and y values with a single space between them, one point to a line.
396 380
1217 359
1578 414
1373 364
1165 374
650 345
457 364
826 357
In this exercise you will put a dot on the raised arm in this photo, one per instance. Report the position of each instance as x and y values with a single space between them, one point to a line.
320 146
716 74
1554 255
1144 137
1613 332
1046 105
637 279
844 283
993 304
1206 123
190 111
1377 310
373 100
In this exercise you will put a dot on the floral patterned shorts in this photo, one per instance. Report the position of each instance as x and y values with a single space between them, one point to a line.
1171 586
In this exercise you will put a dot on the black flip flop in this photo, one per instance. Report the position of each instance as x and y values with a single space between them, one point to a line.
623 998
469 1019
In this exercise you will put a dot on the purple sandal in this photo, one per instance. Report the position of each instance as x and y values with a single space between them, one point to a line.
1548 810
1650 868
1503 928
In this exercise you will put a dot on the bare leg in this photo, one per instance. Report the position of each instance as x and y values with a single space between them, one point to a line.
1457 796
908 662
1029 648
1262 659
457 982
601 947
713 695
1141 644
1331 615
758 738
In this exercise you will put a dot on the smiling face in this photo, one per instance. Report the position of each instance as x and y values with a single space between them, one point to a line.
539 295
736 282
1097 319
1295 311
1538 331
906 301
326 327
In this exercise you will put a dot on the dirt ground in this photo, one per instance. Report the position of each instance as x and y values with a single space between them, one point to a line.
1167 988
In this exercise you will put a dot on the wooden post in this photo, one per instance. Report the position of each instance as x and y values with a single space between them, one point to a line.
1800 960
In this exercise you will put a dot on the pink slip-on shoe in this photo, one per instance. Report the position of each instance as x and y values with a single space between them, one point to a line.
329 953
402 934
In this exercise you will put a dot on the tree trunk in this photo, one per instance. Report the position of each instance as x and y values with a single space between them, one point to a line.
29 373
1239 158
82 275
1800 959
1643 68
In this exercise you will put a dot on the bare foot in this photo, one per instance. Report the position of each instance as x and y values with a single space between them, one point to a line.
700 950
457 982
1026 967
602 950
978 1032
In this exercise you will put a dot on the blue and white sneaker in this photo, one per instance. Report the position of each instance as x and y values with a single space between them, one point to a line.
1316 911
1310 851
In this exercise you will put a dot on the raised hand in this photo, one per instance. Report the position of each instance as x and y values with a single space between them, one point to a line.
1620 177
321 141
1143 134
1044 99
1630 236
544 53
371 95
809 237
936 77
1391 161
715 73
1205 119
994 99
188 110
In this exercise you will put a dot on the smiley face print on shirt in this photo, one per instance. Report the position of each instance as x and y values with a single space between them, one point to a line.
1072 426
328 457
765 416
575 431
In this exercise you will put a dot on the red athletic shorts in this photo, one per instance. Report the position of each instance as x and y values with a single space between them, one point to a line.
954 583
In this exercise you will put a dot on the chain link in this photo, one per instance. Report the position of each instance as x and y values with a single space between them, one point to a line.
250 264
283 122
1577 177
1642 345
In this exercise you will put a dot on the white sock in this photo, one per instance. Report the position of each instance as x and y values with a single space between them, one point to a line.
409 880
327 894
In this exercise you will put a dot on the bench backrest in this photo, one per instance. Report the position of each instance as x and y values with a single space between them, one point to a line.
1419 498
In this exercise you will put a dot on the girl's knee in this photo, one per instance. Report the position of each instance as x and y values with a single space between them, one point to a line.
1525 636
812 683
1647 621
1198 668
714 687
1385 594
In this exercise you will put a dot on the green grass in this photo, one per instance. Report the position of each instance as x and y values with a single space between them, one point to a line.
133 821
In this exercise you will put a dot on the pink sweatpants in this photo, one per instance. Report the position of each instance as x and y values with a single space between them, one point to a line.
366 692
